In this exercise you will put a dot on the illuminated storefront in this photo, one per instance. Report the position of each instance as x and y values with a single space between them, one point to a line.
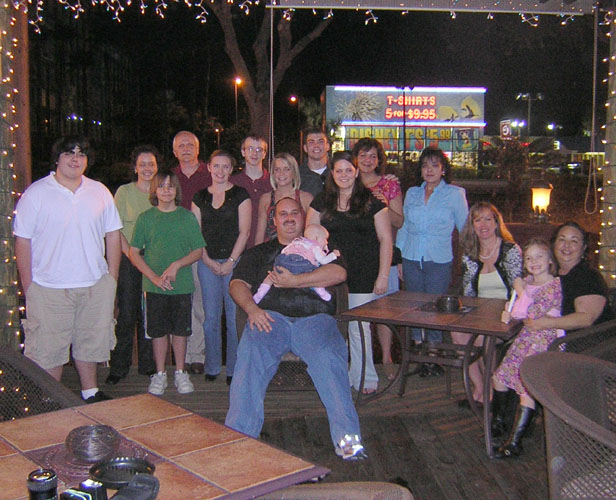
450 118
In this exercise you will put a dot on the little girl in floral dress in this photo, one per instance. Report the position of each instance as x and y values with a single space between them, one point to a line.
539 294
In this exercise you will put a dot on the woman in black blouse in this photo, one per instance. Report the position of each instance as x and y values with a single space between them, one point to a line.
584 291
224 213
359 226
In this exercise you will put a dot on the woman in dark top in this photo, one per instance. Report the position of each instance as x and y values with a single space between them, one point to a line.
224 214
584 291
360 228
584 303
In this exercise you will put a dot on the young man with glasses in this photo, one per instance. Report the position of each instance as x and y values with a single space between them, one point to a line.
253 178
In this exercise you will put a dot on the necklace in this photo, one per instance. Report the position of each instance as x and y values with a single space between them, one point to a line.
486 257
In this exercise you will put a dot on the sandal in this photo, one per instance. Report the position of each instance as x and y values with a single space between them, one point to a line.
391 370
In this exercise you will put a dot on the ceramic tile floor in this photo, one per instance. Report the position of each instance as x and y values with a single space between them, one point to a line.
142 411
189 433
233 466
202 459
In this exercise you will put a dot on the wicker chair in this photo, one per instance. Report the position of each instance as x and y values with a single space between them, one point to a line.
28 389
356 490
578 394
598 341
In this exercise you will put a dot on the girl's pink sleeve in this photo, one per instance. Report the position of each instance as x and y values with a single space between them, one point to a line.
520 307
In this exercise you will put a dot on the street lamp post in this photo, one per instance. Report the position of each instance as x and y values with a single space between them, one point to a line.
217 130
236 82
527 96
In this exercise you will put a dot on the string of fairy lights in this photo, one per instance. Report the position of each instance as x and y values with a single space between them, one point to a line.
116 8
607 193
9 312
35 11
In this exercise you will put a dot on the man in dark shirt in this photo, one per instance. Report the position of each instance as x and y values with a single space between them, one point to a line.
314 171
291 317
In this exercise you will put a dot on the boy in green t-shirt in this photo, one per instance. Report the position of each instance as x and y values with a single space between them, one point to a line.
171 241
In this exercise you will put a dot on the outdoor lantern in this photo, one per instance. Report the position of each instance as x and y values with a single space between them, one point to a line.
541 200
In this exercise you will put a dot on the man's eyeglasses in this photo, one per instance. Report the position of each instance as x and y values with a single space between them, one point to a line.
252 149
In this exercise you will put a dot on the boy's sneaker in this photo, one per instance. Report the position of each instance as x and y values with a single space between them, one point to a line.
182 382
158 383
350 448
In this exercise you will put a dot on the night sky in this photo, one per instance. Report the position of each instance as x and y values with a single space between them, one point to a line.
421 48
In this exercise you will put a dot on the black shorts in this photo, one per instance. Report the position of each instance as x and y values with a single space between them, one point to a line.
167 315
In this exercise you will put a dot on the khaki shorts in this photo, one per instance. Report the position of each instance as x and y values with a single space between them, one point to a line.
58 318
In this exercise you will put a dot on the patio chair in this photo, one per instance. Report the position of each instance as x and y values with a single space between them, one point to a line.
292 374
578 394
357 490
27 389
598 341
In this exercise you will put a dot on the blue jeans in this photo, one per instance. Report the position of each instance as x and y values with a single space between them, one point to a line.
318 342
294 263
428 277
215 292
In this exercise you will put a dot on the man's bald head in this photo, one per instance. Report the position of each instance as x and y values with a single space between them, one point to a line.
186 148
288 220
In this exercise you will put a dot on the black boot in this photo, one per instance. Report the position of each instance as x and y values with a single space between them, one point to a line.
513 446
499 410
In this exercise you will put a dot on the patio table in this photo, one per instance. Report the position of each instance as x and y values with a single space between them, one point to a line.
404 310
194 456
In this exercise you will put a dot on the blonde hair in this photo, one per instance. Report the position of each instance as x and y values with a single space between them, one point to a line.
468 238
290 161
541 243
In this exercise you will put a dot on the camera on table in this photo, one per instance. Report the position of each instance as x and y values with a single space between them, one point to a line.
88 490
43 485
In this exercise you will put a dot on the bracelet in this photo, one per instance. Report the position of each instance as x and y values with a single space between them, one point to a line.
232 259
383 276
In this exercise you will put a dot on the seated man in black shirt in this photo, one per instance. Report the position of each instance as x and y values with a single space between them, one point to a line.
291 317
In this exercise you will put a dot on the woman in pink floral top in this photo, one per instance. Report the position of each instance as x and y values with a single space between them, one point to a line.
369 157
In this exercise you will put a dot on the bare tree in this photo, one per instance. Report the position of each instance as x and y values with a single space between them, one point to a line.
256 75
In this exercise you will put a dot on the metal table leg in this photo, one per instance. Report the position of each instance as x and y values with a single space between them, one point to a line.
488 353
401 369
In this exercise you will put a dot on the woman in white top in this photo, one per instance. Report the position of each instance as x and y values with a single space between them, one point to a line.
491 260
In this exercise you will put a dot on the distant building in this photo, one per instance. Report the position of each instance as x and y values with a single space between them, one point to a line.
450 118
81 82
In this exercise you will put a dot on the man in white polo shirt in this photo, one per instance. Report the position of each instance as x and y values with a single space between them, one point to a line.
67 244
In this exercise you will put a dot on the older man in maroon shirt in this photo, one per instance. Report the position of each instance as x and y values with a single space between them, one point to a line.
194 176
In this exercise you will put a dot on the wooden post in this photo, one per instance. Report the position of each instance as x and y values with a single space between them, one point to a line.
607 235
21 66
9 315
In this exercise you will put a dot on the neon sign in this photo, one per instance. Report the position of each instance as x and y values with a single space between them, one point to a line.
438 106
